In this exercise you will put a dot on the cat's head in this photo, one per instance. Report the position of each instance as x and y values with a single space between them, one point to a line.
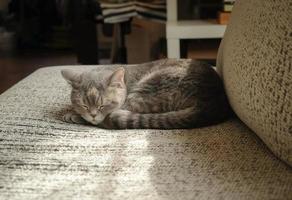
95 94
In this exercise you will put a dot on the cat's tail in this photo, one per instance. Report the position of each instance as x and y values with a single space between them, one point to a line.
181 119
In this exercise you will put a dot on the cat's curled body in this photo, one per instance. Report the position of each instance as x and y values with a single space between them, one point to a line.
160 95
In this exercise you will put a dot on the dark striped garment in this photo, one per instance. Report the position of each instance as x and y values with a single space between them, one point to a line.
115 11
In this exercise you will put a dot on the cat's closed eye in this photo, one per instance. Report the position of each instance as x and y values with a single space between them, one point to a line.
108 105
113 103
85 107
100 107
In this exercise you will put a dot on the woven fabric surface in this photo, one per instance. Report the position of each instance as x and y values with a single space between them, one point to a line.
42 157
255 61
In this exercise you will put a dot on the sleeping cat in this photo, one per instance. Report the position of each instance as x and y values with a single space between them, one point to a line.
160 95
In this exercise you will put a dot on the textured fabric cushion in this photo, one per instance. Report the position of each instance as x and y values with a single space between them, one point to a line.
42 157
255 61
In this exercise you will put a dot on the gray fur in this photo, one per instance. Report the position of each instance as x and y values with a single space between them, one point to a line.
161 95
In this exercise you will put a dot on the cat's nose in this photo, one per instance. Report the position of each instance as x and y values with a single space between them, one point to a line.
93 113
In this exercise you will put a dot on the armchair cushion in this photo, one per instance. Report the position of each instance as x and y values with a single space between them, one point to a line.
255 61
42 157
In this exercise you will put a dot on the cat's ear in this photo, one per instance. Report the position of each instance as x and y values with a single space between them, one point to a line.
117 79
72 77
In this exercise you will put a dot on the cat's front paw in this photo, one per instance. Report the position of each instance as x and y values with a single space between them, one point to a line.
115 120
73 118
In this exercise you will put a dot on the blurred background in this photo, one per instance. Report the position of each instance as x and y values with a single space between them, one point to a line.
38 33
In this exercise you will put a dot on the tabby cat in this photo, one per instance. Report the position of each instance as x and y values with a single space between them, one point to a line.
165 94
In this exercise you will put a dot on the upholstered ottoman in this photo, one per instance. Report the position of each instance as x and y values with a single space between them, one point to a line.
42 157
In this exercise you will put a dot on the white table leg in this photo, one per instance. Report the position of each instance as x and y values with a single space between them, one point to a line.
173 48
171 10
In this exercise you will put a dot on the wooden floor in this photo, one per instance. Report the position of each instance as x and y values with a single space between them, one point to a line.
13 68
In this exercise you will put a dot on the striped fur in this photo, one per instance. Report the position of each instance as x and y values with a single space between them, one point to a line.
124 119
165 97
